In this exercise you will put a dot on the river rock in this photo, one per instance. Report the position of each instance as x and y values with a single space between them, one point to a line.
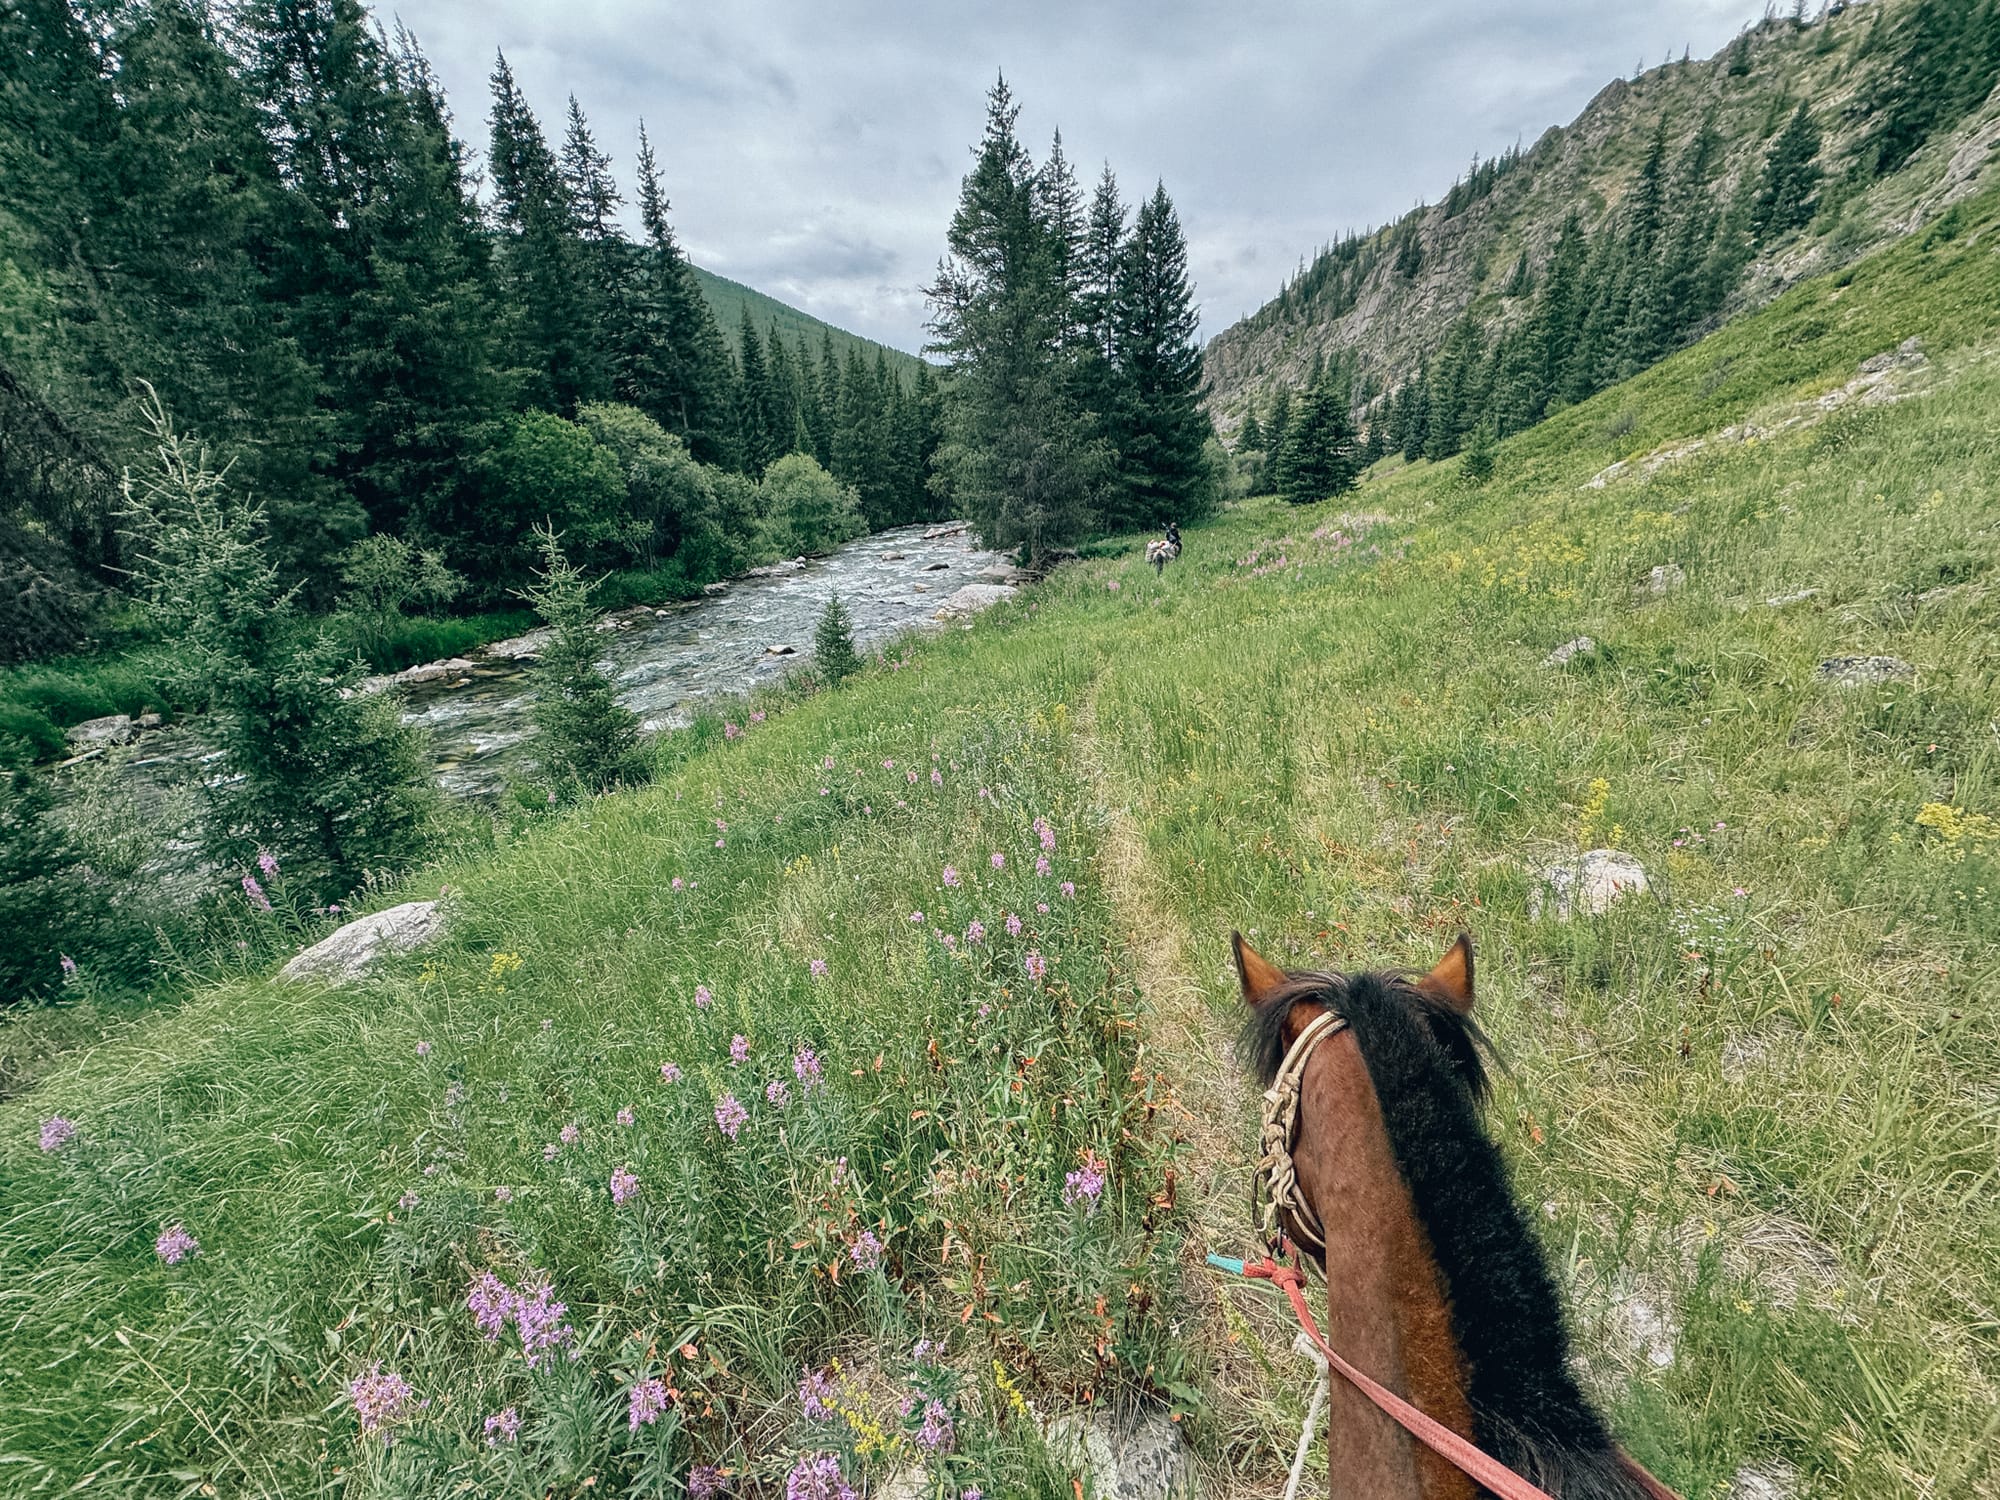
778 569
894 556
149 721
112 729
350 952
936 567
432 671
720 586
1666 578
521 647
781 650
973 598
1138 1460
1591 883
950 528
1569 651
1864 671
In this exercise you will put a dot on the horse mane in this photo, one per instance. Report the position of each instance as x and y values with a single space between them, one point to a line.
1427 1062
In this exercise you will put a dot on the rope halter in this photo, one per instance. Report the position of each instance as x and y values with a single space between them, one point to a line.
1274 1187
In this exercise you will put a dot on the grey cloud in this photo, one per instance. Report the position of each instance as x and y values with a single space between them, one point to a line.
814 150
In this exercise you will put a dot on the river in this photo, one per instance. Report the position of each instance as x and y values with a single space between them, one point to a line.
667 661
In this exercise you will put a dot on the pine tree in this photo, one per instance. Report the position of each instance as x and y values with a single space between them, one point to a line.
1250 438
542 268
1320 458
1161 432
682 373
1520 281
1789 180
1021 455
834 657
1477 465
756 435
587 740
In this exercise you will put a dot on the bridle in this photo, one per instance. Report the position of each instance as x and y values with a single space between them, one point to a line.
1274 1186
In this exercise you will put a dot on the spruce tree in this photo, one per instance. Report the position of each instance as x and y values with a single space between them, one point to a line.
1791 175
587 741
1320 457
1162 430
834 657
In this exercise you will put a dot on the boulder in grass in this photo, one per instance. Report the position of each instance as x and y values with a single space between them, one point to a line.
1569 651
1667 578
350 952
1591 884
1142 1459
1864 671
973 598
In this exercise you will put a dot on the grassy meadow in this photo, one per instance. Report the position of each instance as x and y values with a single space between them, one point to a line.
960 1173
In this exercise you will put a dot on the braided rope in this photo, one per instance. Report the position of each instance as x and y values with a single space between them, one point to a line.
1276 1170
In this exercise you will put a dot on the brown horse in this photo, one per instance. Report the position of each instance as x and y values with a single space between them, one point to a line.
1435 1285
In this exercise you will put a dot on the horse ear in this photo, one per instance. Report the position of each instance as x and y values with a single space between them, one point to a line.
1451 980
1261 979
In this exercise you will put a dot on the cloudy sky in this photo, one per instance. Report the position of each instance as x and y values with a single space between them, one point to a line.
813 148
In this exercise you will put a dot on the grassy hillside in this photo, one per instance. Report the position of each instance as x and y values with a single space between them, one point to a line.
1361 298
727 300
1755 1110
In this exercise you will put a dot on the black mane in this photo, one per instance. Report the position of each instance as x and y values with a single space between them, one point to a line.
1427 1063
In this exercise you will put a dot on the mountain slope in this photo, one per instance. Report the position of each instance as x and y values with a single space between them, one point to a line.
727 300
1387 300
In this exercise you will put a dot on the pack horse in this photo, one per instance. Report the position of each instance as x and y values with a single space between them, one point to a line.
1443 1318
1161 552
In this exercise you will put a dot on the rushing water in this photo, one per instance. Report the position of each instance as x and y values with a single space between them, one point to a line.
666 661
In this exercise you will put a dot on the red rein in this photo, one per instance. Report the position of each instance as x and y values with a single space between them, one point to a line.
1474 1462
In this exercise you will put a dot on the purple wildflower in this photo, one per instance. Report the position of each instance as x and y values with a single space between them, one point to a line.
757 717
867 1251
256 893
538 1319
817 968
702 998
730 1115
1013 925
423 1049
937 777
408 1201
670 1072
927 1352
936 1434
704 1481
649 1399
816 1395
912 776
268 863
806 1068
381 1400
730 731
503 1195
175 1245
998 861
625 1116
1069 889
951 875
777 1094
739 1050
623 1185
888 765
976 931
948 939
502 1427
1042 865
971 1493
817 1476
551 1151
827 764
68 967
491 1302
679 884
569 1135
57 1133
1085 1184
1042 907
1036 965
1046 834
917 917
1113 586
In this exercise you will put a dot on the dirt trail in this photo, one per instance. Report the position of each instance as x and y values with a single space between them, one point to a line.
1190 1040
